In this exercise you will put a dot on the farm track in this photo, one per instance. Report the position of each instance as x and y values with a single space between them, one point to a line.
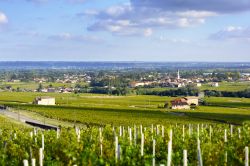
23 118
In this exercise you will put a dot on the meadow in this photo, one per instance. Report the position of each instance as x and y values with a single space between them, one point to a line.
227 86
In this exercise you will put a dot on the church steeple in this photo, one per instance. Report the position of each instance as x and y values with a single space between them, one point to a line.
178 74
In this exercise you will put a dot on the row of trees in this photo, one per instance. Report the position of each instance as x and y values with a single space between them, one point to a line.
244 93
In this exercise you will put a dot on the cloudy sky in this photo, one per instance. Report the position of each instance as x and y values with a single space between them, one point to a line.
125 30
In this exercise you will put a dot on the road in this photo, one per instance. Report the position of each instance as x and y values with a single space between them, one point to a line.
22 118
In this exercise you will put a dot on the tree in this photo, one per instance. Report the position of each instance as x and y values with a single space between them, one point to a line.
40 87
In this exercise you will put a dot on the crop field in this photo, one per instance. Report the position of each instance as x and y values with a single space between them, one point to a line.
124 110
200 144
227 86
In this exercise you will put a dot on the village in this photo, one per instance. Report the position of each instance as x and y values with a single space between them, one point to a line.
68 83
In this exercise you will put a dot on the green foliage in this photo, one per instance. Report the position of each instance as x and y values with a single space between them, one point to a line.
70 148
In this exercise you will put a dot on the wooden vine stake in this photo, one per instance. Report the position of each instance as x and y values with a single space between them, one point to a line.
78 135
142 144
239 131
141 129
157 129
225 135
130 136
116 149
210 132
31 134
25 163
170 148
33 162
231 130
153 162
42 141
189 129
57 133
101 138
200 163
135 135
198 131
185 161
120 131
162 131
41 157
246 156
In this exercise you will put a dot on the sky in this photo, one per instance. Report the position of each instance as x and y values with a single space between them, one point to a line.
125 30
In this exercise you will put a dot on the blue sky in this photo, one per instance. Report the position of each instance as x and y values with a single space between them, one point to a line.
125 30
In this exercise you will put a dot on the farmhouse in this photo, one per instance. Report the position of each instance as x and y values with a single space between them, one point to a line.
185 102
192 100
136 84
179 104
45 101
215 84
198 84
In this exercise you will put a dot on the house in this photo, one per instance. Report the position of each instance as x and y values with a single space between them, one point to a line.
215 84
198 84
192 100
185 102
136 84
180 103
45 100
51 90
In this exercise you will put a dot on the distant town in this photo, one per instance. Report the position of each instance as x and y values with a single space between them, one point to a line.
124 82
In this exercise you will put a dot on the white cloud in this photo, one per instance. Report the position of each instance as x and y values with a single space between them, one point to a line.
3 18
77 38
172 40
128 20
232 33
196 14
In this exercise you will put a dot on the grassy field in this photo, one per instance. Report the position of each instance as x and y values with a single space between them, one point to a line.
7 123
223 86
227 86
103 109
34 85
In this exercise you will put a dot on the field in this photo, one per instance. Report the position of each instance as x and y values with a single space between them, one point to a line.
7 123
223 86
125 130
227 86
93 109
34 85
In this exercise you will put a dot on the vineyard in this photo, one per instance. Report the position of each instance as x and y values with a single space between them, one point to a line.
178 144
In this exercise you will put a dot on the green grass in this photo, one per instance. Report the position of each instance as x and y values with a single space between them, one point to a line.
227 86
229 102
7 123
